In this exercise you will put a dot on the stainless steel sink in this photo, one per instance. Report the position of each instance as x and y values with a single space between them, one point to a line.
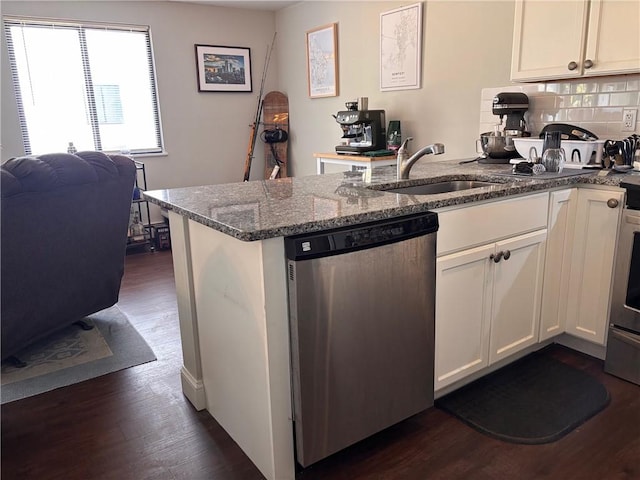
441 187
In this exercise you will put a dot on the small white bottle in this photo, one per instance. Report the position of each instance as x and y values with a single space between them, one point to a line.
71 148
136 229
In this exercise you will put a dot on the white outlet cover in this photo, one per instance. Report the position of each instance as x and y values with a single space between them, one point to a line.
629 118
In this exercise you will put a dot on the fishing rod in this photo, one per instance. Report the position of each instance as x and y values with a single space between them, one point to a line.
256 122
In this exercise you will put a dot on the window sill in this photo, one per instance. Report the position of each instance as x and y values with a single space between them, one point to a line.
136 156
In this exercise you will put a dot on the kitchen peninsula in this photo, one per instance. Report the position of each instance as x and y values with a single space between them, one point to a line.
230 271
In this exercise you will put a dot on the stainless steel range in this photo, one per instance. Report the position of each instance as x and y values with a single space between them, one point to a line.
623 344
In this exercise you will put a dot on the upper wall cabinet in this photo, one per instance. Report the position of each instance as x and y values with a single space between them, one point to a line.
574 38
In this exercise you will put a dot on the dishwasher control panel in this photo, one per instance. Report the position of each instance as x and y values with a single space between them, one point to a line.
343 240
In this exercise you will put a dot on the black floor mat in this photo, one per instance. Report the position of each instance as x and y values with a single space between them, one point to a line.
534 400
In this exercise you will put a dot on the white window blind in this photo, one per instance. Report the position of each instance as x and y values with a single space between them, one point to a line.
93 85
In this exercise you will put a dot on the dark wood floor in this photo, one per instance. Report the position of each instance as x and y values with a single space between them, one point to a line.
136 424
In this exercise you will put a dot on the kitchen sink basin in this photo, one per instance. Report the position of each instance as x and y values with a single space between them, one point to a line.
441 187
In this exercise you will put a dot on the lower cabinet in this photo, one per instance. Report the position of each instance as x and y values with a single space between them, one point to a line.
487 304
557 268
592 259
495 298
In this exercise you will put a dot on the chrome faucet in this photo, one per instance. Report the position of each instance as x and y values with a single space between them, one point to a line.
405 164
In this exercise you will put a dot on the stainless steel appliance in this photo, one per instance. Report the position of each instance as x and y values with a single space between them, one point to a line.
361 306
623 343
362 131
497 146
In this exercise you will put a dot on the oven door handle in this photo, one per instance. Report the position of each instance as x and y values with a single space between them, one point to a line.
626 337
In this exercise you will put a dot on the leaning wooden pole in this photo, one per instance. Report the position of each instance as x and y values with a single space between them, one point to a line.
256 121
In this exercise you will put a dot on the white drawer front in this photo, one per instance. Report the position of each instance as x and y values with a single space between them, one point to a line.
475 225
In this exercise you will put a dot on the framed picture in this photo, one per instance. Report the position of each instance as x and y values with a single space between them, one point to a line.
223 69
400 48
322 61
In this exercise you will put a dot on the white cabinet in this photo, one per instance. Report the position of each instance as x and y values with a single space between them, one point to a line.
487 304
463 310
595 235
553 275
516 294
562 209
575 38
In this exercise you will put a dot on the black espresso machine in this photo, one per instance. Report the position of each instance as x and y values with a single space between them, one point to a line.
362 131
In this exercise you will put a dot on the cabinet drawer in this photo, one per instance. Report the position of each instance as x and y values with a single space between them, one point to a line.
475 225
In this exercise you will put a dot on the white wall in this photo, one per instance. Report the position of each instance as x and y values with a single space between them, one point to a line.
466 47
206 134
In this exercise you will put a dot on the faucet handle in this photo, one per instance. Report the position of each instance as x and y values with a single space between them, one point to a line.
403 147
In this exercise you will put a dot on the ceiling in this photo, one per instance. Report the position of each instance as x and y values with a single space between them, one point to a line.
272 5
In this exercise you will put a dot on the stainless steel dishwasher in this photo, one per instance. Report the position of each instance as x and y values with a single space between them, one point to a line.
361 306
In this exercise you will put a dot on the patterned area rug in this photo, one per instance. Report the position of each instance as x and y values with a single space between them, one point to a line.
73 355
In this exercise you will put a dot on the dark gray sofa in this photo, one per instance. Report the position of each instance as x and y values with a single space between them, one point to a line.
64 221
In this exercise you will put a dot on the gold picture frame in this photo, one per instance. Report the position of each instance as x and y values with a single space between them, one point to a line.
322 61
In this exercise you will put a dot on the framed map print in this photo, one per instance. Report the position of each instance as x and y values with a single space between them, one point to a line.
400 48
322 61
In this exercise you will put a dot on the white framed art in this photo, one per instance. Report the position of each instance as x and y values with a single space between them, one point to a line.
401 48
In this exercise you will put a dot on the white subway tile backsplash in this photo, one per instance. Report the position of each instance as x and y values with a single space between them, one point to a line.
615 86
576 101
595 104
633 84
575 115
602 100
624 99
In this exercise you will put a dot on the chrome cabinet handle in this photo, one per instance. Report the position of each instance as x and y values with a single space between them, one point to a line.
612 203
588 64
507 255
572 65
497 257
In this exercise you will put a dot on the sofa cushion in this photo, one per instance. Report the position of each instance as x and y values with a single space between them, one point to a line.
104 166
50 171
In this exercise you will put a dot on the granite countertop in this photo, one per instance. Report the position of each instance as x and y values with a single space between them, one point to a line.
264 209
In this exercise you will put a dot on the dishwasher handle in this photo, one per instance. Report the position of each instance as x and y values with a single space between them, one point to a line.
359 237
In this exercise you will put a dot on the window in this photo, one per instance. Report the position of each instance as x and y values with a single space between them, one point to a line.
93 85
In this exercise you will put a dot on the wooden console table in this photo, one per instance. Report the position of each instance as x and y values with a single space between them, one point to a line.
359 161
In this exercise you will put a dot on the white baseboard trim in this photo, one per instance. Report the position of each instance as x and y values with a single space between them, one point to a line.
193 389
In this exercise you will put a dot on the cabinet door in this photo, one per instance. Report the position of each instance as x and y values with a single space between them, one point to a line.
517 294
463 303
547 36
596 229
613 39
562 212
